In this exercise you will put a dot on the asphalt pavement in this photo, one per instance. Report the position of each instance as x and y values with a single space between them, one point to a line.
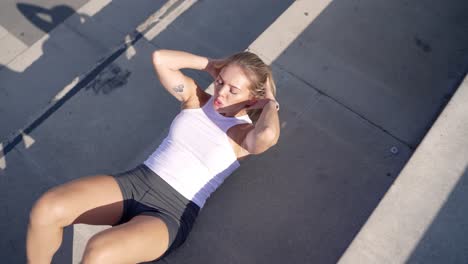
360 84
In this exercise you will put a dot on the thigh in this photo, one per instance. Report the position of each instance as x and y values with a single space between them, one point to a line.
95 200
143 238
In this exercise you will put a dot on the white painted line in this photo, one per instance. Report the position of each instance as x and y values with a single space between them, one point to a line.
2 158
130 52
28 56
10 46
3 32
408 209
28 140
161 19
65 90
93 7
286 28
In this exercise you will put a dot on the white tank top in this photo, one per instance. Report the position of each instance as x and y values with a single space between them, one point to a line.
196 156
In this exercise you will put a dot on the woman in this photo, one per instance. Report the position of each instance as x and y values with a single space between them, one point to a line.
153 206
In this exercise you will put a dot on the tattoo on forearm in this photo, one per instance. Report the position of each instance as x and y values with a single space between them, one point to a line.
179 88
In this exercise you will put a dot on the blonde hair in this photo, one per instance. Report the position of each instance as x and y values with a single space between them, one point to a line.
257 72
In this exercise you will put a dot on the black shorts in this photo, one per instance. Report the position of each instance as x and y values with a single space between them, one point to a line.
145 193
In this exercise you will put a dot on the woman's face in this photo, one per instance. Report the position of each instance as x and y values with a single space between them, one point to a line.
231 93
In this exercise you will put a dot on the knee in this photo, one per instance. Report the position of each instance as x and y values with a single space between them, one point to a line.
97 251
49 209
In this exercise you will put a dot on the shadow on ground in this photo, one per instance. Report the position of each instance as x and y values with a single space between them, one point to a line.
351 86
72 48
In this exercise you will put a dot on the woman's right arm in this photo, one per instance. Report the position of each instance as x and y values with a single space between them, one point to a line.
167 64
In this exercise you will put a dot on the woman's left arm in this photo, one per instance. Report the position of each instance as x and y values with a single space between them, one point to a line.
267 125
266 131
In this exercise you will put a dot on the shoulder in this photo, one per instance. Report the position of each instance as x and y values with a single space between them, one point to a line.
197 100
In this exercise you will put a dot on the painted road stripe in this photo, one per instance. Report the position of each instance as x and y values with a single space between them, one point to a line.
10 46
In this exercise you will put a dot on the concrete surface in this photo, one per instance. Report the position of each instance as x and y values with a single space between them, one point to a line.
296 204
303 201
43 145
423 217
18 17
39 73
11 46
394 63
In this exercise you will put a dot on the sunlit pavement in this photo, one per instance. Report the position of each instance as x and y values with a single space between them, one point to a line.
360 84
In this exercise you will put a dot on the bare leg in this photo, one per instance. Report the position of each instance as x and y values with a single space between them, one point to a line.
90 200
143 238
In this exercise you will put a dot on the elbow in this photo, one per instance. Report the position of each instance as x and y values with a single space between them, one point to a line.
270 137
275 135
158 57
